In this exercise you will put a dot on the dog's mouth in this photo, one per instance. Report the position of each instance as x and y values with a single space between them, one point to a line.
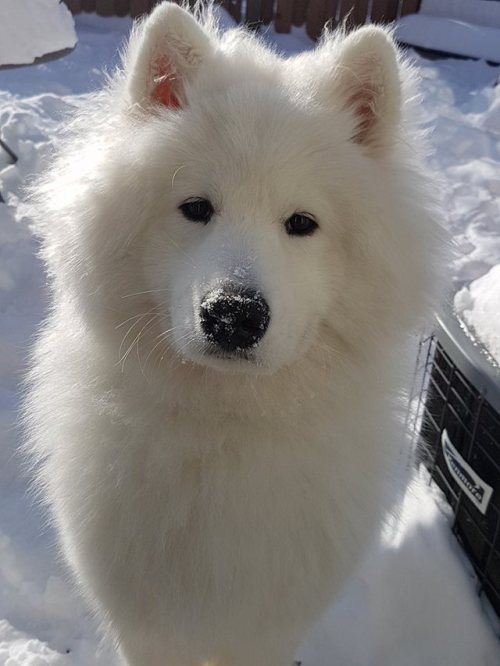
237 361
236 355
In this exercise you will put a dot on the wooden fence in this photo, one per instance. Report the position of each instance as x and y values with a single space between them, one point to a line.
314 14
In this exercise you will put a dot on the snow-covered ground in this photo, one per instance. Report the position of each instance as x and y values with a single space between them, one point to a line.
466 27
479 307
33 28
412 603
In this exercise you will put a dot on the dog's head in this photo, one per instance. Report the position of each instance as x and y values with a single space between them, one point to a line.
248 208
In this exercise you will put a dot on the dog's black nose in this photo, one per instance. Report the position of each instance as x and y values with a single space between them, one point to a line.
234 318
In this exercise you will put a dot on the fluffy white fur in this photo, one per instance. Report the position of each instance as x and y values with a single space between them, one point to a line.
211 508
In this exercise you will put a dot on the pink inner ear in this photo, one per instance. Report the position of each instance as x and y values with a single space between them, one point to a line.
362 101
164 83
164 94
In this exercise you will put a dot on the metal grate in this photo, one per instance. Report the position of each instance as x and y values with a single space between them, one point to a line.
453 414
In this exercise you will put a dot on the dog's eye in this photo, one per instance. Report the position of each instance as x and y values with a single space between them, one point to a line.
197 210
300 224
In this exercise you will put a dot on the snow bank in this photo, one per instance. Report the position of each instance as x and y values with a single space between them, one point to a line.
441 33
32 28
464 27
478 12
479 307
460 106
412 602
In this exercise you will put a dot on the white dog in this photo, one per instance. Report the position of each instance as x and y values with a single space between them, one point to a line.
238 246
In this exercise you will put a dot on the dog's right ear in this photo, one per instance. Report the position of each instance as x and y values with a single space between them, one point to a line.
165 54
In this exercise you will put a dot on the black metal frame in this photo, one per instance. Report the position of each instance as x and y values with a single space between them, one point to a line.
12 157
459 390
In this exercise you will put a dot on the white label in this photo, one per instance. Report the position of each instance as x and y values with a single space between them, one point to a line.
473 486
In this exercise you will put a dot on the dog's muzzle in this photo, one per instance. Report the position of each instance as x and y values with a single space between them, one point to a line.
234 318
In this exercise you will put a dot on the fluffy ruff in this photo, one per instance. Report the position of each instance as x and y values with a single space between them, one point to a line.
211 505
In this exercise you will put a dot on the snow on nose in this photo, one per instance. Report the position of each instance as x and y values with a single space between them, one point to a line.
234 318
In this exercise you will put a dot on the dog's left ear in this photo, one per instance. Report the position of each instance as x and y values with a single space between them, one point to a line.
165 54
366 82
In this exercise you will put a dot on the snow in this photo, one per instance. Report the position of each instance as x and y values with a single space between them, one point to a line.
479 306
32 28
413 601
464 27
446 34
461 107
478 12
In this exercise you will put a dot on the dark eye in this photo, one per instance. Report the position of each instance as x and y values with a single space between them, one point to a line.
197 210
300 224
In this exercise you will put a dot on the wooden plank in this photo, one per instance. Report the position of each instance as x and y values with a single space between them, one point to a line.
330 16
105 7
233 7
359 14
88 5
409 7
346 11
389 13
122 7
283 17
267 11
253 18
315 18
299 12
384 11
138 7
75 6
